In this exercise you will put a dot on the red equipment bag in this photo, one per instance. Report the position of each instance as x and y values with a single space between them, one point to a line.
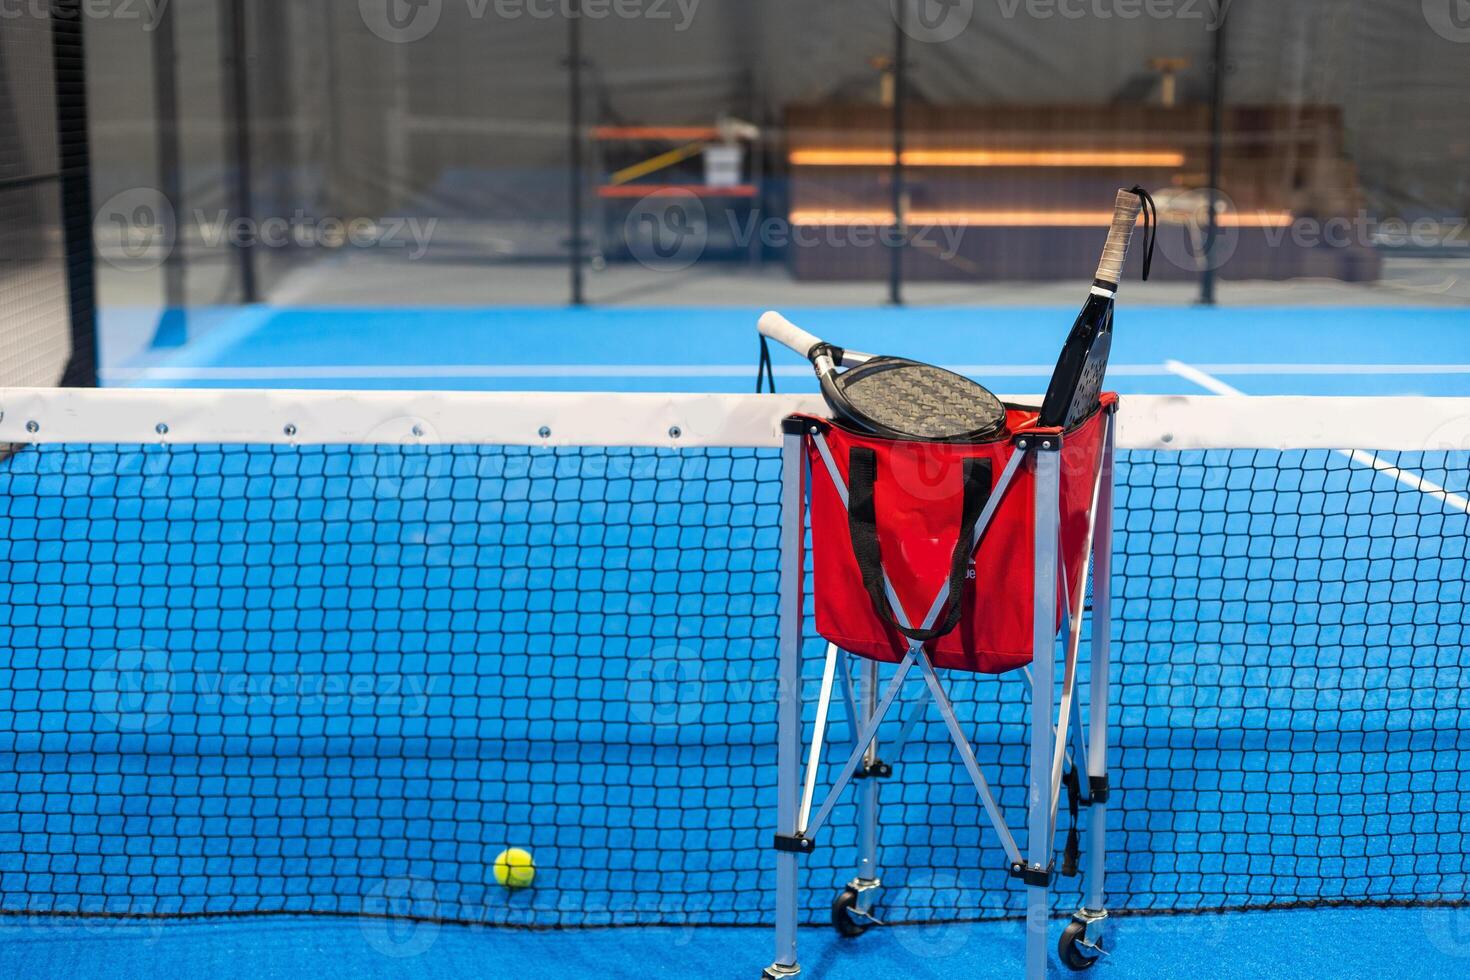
913 507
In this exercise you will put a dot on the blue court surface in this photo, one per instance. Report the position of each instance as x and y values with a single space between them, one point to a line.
1309 351
573 651
1427 944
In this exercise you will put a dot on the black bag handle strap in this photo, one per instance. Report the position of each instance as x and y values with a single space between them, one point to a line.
862 523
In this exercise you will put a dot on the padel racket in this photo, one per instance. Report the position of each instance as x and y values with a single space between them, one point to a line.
1078 379
891 396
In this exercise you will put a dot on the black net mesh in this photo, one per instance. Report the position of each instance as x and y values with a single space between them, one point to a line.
343 679
46 303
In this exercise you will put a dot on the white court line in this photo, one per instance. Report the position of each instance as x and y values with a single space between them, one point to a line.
1264 369
1205 381
1362 458
392 371
368 371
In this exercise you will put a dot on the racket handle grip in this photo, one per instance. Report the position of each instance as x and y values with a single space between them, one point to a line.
1125 216
788 334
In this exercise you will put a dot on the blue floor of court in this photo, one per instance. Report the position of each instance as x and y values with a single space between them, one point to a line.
1398 672
1260 351
1371 943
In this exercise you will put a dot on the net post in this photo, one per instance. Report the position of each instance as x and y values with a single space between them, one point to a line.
1046 458
1098 692
788 711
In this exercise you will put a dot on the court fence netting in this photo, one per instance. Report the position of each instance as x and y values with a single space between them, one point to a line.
316 652
47 267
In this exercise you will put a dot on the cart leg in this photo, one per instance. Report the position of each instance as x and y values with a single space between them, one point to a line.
1094 911
788 712
1043 667
866 882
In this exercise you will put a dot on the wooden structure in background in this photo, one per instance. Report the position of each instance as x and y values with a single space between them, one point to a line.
671 156
1028 189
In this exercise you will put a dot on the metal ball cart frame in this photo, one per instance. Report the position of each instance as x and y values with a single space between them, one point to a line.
1050 722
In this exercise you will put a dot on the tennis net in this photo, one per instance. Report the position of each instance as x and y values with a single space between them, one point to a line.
331 653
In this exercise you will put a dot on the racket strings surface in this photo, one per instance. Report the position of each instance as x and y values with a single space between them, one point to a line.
922 401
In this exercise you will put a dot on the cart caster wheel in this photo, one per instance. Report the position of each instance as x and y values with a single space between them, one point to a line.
843 916
1070 949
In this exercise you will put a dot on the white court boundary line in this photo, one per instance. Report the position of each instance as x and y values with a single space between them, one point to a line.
1359 456
328 372
409 371
1314 368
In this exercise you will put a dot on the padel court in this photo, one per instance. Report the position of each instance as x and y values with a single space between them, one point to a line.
1382 350
598 696
725 489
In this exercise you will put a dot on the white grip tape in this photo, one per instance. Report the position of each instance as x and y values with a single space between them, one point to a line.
783 331
1125 216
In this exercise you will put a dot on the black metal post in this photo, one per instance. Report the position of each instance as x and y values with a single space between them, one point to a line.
574 115
171 330
1217 145
75 186
237 112
900 96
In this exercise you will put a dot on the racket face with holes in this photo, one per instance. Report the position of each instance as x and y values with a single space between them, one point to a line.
1077 382
903 399
1094 370
1090 380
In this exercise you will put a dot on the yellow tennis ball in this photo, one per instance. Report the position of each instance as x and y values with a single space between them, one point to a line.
514 868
